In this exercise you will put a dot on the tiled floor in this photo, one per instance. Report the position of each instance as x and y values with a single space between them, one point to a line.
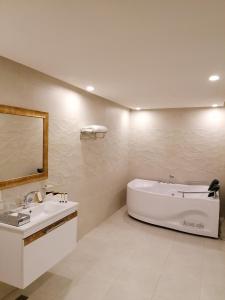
128 260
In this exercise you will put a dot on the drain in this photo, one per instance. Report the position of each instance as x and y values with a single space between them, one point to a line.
22 297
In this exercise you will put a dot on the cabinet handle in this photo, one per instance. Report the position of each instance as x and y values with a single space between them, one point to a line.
53 228
37 235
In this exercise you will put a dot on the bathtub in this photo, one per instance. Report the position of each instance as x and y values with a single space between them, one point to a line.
163 204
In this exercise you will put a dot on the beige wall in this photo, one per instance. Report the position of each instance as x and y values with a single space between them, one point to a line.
187 143
93 172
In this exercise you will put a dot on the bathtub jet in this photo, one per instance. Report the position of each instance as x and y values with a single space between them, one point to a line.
181 207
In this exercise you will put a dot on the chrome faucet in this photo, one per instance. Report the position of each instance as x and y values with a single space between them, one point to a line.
171 178
28 199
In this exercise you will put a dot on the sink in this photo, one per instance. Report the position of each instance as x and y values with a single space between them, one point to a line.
46 208
33 211
42 215
51 207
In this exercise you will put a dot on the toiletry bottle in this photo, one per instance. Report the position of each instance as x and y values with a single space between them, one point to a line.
44 190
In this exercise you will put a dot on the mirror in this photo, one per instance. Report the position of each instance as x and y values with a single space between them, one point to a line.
23 146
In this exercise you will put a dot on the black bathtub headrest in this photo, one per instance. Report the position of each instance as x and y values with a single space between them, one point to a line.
214 185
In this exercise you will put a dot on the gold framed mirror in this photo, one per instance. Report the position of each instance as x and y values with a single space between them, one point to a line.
23 146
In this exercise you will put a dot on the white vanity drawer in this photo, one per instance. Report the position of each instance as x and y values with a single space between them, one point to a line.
47 247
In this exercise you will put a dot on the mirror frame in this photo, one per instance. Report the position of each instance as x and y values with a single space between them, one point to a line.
5 109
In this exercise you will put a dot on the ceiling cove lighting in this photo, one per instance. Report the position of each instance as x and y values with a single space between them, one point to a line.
215 105
137 108
214 77
90 88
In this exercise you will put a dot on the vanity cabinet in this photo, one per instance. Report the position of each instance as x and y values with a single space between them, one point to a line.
25 257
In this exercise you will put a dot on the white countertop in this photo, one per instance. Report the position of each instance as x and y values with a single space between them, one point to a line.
42 215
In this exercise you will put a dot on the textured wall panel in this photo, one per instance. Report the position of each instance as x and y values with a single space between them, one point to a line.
187 143
93 172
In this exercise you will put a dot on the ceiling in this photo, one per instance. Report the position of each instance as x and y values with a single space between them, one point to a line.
145 53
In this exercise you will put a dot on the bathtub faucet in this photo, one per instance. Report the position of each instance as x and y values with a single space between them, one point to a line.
171 178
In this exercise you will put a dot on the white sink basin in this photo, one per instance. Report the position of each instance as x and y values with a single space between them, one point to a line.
46 208
42 215
51 207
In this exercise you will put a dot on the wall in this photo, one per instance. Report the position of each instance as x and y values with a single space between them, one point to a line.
93 172
187 143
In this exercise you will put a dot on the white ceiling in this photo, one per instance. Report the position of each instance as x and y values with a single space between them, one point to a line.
147 53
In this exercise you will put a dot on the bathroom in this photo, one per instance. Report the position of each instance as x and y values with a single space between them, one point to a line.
163 117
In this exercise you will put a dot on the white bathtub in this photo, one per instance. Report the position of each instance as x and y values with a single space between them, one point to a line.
162 204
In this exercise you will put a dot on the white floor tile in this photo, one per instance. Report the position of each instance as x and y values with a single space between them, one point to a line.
177 286
213 292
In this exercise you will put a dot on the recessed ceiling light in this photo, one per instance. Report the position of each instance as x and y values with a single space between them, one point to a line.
138 108
215 105
214 77
90 88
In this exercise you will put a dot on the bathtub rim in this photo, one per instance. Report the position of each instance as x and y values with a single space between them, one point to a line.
140 190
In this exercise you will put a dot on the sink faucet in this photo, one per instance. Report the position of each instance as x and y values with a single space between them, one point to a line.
171 178
28 199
